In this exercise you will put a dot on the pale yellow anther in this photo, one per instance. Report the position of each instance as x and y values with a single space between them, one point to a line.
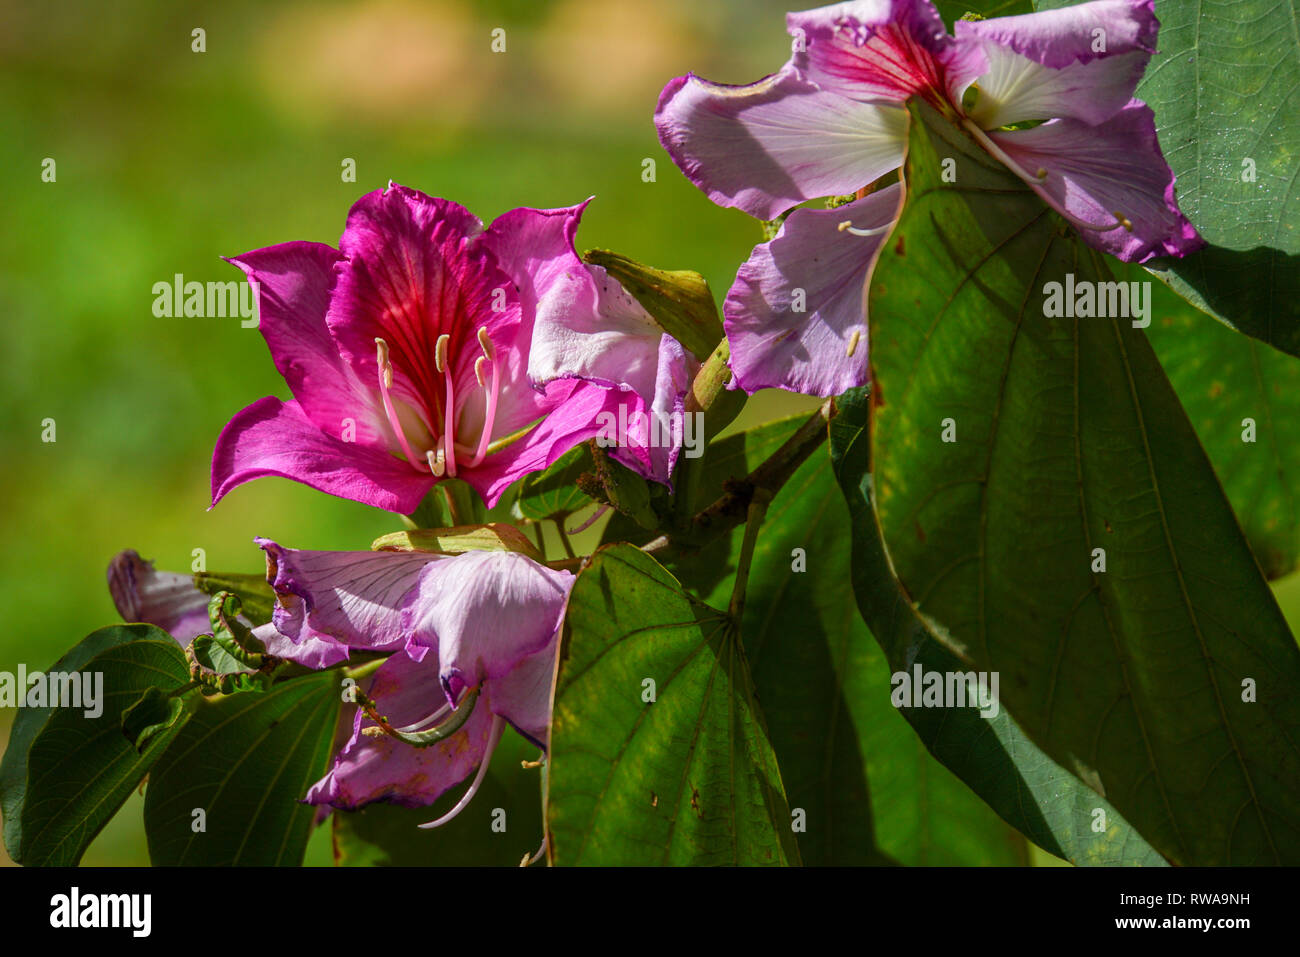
440 352
385 367
437 463
1040 173
479 363
485 343
1123 221
853 343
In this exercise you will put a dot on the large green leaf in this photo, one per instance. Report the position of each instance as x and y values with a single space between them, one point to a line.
1069 440
1223 86
686 778
993 755
64 774
388 835
1243 397
245 762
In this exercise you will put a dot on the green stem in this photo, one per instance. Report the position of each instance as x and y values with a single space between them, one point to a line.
757 511
564 536
453 506
731 509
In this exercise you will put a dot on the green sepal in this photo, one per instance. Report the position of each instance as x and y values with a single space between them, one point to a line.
679 300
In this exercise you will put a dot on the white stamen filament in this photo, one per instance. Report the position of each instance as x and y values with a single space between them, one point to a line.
530 861
386 383
425 722
494 735
490 399
1001 155
440 359
848 227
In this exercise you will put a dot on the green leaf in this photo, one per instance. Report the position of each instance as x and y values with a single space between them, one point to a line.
689 778
1243 397
244 762
388 835
1069 440
1046 803
1222 86
554 492
64 774
1255 291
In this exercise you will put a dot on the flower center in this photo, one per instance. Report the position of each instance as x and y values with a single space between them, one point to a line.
440 457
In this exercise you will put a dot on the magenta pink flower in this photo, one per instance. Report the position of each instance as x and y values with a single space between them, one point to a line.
407 352
1048 94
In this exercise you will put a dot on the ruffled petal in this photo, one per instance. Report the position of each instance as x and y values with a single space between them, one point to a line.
883 50
768 146
587 326
654 441
1080 62
168 600
1097 174
354 598
382 768
484 612
271 437
1017 89
796 305
1079 34
295 281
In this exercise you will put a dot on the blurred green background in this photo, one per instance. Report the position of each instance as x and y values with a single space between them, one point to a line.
168 159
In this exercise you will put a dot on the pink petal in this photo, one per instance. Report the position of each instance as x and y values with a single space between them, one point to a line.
484 612
295 281
381 768
414 271
766 147
354 598
169 600
883 50
271 437
573 418
773 343
1044 65
1095 172
1057 38
523 695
